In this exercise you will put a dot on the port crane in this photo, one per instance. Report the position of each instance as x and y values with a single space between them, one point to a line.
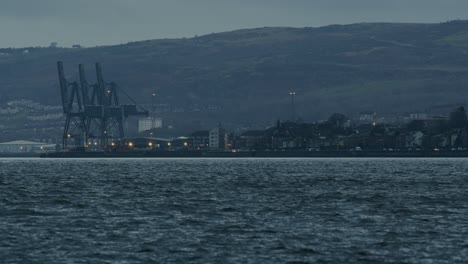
93 111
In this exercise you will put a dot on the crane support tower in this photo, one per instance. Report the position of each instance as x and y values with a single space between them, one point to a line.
93 112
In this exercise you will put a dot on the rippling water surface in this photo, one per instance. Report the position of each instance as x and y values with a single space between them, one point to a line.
234 210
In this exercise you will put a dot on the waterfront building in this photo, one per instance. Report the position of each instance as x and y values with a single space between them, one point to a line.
218 138
200 139
23 146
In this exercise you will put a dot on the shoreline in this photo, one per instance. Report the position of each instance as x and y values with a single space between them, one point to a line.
260 154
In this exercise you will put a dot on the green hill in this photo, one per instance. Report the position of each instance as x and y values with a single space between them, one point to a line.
248 73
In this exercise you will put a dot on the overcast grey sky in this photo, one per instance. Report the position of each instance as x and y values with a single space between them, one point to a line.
101 22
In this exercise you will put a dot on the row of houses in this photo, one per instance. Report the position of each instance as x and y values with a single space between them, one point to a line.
336 133
429 133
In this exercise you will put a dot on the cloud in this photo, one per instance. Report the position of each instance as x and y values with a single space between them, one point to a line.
93 22
63 9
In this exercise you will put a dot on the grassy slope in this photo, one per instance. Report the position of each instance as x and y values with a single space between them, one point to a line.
386 67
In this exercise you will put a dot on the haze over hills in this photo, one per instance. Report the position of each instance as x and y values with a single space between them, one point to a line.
247 74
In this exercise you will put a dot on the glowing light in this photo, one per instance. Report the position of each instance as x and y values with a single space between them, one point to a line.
185 144
113 144
169 144
130 144
150 144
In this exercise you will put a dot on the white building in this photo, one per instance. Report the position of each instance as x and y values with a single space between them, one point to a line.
23 146
218 138
367 117
148 123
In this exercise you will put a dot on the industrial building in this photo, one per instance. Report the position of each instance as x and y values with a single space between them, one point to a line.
23 146
148 123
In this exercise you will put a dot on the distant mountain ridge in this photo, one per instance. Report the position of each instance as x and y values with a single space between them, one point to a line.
384 67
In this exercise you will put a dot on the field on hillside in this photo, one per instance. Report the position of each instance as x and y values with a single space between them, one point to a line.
247 74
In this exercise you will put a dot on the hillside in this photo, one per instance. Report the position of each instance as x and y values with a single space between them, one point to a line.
245 75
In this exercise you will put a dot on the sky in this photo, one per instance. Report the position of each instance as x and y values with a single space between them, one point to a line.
25 23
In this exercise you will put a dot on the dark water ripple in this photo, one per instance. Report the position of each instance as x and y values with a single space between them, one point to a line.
234 211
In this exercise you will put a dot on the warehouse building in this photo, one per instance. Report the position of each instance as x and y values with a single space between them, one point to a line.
23 146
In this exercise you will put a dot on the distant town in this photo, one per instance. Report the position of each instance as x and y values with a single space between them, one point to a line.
29 127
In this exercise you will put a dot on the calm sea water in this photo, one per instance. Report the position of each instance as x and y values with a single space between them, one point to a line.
234 211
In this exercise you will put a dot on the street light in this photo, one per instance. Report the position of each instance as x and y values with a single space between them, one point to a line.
293 110
153 110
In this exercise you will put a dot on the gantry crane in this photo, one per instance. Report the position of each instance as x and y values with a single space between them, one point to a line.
93 111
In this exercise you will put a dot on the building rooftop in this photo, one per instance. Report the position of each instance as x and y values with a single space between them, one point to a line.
24 142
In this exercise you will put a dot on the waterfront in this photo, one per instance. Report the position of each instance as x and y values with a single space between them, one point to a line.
233 210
